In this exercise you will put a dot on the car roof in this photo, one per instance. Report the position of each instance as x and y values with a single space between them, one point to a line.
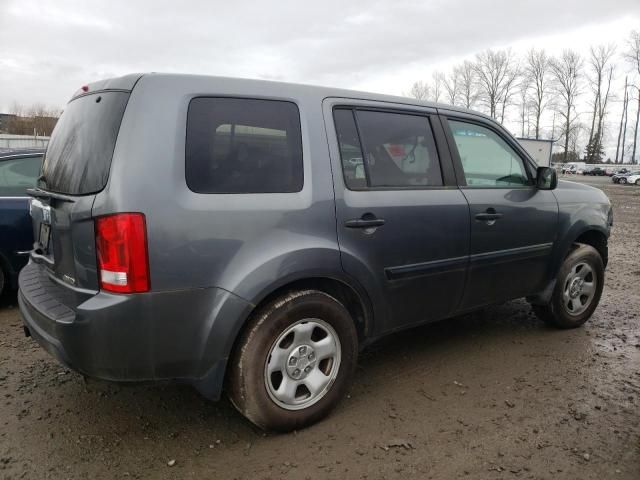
128 83
15 153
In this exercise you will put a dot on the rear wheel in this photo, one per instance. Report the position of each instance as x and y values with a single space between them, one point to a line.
577 291
622 180
2 281
638 181
294 361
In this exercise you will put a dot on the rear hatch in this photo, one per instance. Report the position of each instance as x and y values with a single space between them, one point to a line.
75 168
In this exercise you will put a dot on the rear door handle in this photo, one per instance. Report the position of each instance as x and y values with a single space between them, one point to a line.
364 222
488 216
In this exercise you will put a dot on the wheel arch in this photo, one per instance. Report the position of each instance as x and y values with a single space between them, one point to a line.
347 292
593 235
598 240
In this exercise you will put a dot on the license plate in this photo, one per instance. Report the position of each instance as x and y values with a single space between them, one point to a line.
45 231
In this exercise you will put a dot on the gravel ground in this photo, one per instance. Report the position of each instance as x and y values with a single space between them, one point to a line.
490 395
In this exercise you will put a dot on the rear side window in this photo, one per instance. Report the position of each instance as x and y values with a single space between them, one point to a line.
399 150
239 145
19 174
78 157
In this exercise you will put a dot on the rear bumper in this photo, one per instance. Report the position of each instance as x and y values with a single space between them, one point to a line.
183 335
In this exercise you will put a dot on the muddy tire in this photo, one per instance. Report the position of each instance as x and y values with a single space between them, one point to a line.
577 291
294 361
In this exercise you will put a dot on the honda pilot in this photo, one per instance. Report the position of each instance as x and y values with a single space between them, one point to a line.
253 236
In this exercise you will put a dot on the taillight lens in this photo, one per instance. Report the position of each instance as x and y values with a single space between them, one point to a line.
121 245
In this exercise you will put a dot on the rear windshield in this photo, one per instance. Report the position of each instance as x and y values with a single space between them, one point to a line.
79 154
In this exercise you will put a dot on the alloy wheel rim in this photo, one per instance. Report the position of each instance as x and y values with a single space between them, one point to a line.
302 364
579 288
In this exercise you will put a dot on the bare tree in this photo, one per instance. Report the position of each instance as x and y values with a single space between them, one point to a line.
537 72
566 71
624 129
600 77
493 71
452 86
632 55
17 109
635 129
509 89
468 93
623 119
577 129
419 90
524 87
602 111
37 119
437 90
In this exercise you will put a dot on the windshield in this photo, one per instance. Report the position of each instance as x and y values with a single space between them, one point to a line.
79 154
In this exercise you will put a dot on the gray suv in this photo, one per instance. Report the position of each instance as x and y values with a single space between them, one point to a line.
256 235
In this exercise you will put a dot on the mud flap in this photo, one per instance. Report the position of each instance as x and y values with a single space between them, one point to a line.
544 297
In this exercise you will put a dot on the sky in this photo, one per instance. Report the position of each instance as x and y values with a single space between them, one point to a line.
48 49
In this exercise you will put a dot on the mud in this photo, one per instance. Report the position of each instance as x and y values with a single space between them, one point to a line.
495 394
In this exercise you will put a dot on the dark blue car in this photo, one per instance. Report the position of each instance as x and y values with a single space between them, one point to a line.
19 170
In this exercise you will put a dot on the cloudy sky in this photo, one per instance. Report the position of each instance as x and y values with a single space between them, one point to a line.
49 48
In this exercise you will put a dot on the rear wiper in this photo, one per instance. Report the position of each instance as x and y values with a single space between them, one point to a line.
39 193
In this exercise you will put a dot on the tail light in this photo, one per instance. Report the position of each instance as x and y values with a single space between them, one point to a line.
121 245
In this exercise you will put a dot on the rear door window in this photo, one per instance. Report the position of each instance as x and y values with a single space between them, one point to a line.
350 152
237 145
399 150
79 154
19 174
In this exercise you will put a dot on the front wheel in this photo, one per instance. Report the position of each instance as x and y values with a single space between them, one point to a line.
638 182
622 180
577 291
294 361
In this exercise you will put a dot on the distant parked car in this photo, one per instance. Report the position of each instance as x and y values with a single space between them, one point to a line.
596 171
624 178
634 178
19 170
574 167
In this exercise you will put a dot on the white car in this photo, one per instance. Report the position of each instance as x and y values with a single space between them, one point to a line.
635 178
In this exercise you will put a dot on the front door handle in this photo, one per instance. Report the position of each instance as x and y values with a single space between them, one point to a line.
367 221
490 216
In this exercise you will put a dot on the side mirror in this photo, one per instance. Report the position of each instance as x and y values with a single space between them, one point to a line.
547 178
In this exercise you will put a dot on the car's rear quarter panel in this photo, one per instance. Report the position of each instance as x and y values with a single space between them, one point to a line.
244 243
